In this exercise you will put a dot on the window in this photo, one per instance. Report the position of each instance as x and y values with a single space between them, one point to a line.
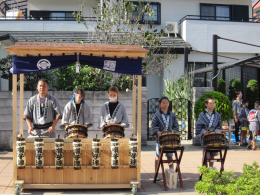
224 12
214 12
156 6
52 15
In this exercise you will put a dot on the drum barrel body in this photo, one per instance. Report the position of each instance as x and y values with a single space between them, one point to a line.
170 140
77 154
96 153
59 153
39 153
133 152
21 152
214 139
114 144
113 130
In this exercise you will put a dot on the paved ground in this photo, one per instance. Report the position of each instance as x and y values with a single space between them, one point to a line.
192 157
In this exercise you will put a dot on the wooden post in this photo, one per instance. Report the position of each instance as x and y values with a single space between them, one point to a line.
21 102
139 126
134 106
14 127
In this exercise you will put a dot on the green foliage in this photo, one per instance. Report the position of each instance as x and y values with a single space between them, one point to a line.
213 182
123 82
181 88
235 85
222 86
252 92
222 105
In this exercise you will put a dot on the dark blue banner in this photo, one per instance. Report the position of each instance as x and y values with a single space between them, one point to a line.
30 64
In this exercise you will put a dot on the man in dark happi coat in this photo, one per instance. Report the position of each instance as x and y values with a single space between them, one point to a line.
209 121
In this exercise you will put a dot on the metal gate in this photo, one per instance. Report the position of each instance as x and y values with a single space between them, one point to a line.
182 109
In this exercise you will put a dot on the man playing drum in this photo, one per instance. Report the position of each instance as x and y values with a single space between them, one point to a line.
77 111
209 121
113 112
163 120
42 112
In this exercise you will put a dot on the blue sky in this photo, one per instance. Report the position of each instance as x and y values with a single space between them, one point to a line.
254 1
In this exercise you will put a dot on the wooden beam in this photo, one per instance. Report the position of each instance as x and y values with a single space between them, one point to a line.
139 131
14 127
134 106
21 102
76 186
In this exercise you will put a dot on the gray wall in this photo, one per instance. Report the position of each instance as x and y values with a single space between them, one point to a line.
93 99
197 93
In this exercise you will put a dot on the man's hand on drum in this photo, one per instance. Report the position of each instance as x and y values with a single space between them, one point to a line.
205 132
30 129
159 133
52 129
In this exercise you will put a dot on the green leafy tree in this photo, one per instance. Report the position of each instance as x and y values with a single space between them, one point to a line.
225 183
235 85
121 22
222 105
222 86
252 92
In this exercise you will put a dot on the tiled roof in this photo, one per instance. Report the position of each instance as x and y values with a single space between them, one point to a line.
73 37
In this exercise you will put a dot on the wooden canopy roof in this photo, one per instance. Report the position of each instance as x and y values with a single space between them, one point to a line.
47 49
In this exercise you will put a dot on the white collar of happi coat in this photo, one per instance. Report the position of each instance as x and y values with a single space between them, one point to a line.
211 118
38 108
115 111
166 119
76 116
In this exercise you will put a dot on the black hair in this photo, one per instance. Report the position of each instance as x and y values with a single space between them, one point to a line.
162 98
209 98
44 80
82 92
245 101
257 103
237 93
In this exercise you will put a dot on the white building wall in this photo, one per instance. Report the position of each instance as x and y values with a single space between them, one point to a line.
199 34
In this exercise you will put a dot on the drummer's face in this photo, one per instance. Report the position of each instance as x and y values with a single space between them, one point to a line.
42 87
211 104
78 96
112 94
164 104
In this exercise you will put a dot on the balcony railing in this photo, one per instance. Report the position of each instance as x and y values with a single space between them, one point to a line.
8 18
218 18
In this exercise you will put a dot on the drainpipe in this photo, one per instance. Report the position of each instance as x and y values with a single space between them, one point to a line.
215 62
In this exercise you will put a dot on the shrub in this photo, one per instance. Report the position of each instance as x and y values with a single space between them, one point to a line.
222 86
252 92
235 85
214 182
222 106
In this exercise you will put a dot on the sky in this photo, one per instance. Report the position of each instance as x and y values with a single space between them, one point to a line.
254 1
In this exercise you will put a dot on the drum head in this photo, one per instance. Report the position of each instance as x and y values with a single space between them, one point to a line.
76 126
111 125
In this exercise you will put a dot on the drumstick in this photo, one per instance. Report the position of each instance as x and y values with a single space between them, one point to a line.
164 129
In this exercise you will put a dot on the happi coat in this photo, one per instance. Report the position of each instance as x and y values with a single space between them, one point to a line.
119 115
206 122
159 124
51 112
71 117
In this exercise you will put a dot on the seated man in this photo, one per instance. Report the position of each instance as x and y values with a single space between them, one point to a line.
209 121
42 112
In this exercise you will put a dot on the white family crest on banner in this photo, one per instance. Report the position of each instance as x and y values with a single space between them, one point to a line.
109 65
43 64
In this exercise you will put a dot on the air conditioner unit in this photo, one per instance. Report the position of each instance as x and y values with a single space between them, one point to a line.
171 27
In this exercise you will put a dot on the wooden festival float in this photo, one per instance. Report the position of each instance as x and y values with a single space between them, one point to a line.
49 163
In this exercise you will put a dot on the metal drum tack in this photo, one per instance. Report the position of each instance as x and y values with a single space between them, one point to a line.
114 144
77 147
133 152
96 153
21 152
39 153
59 153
